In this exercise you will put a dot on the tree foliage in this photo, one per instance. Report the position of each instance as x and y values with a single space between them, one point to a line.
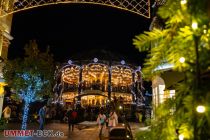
180 38
34 64
31 77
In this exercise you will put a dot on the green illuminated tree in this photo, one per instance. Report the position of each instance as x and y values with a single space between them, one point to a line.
184 42
31 77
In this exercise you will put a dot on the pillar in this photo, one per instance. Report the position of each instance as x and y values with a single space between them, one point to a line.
2 84
5 37
133 86
109 82
80 85
5 28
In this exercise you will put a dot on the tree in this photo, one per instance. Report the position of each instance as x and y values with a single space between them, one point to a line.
185 43
31 77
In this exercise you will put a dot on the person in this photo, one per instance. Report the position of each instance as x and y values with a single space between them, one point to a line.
47 114
53 113
42 113
68 115
113 119
139 116
101 119
107 119
139 89
72 116
7 113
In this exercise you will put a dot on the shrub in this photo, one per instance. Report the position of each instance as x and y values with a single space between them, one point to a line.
3 124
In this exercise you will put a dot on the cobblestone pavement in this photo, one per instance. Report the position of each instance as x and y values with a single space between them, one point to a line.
88 133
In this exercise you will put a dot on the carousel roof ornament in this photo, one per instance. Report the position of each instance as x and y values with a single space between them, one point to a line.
122 62
69 62
95 60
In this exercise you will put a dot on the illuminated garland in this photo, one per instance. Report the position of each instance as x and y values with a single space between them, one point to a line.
25 116
33 84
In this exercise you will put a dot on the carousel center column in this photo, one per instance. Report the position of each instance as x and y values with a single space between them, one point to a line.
109 87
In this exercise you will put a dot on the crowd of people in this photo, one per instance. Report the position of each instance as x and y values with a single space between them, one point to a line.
71 115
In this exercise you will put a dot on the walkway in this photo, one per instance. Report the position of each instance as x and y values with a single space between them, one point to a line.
88 133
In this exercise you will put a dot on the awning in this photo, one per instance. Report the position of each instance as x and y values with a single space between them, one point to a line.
171 78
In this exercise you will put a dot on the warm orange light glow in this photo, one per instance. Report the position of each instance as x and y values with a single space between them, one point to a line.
2 84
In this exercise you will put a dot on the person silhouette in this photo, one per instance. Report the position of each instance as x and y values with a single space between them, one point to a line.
42 113
7 113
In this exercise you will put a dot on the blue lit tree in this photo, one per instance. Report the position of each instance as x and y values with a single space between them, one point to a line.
31 77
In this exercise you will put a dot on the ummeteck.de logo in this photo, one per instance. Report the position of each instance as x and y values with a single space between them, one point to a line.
32 133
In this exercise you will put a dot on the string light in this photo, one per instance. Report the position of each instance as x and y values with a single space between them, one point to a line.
181 137
205 29
28 94
200 109
120 72
182 60
183 2
194 25
25 116
70 74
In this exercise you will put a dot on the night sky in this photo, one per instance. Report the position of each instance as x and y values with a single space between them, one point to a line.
75 29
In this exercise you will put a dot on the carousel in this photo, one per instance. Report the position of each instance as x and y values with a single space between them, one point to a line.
96 82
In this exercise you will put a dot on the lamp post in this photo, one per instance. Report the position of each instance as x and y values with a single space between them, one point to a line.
196 79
